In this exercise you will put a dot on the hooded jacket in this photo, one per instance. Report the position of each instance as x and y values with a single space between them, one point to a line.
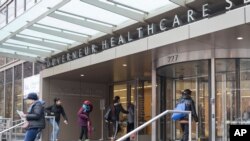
83 117
190 106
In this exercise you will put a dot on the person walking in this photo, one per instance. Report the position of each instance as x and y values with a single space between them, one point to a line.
189 106
35 117
56 110
130 124
116 109
84 120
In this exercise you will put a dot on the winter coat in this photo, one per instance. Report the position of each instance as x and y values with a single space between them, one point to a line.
83 117
117 109
56 110
35 116
190 106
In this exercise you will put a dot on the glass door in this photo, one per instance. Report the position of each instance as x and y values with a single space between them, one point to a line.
137 92
199 88
172 80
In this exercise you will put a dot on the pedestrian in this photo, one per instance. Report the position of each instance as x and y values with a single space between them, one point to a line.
35 117
56 110
189 106
116 109
84 120
130 124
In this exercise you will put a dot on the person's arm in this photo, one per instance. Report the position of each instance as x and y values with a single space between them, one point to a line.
123 110
37 113
64 116
81 115
194 114
48 110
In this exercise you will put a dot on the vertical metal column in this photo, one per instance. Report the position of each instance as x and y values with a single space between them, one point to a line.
197 104
4 93
162 100
212 100
154 103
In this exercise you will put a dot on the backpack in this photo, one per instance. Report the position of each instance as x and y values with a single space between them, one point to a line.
109 114
180 107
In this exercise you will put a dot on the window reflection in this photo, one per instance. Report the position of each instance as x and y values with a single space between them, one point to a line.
28 69
8 93
17 90
2 94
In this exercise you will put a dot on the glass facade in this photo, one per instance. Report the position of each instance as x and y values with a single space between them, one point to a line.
232 96
11 87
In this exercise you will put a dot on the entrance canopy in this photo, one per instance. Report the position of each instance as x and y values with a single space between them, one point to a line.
35 29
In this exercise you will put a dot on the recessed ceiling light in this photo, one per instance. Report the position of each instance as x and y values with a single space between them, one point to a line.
82 75
239 38
124 65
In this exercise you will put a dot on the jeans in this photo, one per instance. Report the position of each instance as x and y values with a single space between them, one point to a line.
184 127
31 134
56 130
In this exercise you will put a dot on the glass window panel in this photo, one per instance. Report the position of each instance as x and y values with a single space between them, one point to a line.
3 17
68 26
146 5
2 94
8 60
28 69
18 72
18 98
8 94
11 11
38 67
30 3
2 61
81 8
9 77
20 7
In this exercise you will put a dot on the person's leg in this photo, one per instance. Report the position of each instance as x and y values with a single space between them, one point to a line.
182 129
85 133
116 128
30 135
129 129
57 129
186 132
82 132
55 132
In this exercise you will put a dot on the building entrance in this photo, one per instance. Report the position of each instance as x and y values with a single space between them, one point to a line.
173 80
137 92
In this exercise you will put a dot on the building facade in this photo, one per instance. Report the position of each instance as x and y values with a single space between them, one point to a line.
210 56
201 46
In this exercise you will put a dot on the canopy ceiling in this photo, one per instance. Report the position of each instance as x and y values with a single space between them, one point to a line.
35 29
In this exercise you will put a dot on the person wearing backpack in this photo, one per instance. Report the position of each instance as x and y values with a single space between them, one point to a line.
116 109
189 106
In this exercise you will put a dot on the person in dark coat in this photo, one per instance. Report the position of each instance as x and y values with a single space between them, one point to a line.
35 117
189 106
116 110
56 110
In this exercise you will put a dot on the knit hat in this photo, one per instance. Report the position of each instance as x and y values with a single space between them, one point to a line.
32 96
